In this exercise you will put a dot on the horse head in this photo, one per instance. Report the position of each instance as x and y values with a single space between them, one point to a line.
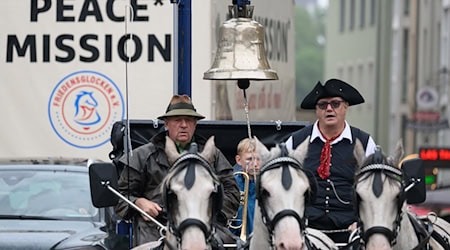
282 189
192 196
379 196
86 113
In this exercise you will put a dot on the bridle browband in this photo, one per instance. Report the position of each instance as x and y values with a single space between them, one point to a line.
394 174
189 179
280 162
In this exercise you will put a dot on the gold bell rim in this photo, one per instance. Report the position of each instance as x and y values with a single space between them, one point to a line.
258 75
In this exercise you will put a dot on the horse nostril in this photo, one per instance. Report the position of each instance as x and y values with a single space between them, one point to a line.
283 246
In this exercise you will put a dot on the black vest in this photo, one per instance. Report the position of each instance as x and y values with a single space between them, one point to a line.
329 211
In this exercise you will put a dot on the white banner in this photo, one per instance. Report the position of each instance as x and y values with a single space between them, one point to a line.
69 69
64 72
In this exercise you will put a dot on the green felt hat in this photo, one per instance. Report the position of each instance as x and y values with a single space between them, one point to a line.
181 105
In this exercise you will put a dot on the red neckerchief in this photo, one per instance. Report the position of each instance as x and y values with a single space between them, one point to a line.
325 156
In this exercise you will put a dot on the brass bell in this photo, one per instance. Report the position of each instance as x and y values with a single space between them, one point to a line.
241 53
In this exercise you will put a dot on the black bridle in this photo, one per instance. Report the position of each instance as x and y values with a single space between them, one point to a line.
189 161
392 173
284 162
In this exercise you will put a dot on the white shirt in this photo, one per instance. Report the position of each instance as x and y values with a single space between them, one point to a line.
346 134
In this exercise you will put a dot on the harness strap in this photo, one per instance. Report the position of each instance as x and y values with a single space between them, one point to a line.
284 213
443 238
391 235
310 245
443 241
217 242
327 231
167 244
191 222
423 230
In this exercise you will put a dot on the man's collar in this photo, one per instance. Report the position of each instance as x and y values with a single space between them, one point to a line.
181 149
346 134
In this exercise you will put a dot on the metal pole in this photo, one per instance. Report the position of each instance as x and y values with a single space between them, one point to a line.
175 45
184 48
412 73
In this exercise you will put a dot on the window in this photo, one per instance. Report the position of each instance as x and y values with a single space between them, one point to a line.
445 36
406 7
362 14
405 65
352 15
342 16
373 4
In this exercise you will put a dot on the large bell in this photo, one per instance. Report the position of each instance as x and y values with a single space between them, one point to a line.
240 52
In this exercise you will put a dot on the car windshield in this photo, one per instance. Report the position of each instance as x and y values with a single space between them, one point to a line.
51 193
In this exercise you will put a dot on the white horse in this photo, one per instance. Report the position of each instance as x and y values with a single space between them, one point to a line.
283 188
192 195
385 222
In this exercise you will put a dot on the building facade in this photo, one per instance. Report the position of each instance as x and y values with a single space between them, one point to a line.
397 54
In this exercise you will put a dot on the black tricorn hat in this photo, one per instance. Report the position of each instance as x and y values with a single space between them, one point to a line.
332 88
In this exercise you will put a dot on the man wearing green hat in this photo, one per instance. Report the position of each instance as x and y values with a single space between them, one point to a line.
330 157
146 167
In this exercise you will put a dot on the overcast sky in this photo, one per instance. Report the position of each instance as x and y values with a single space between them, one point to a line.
323 3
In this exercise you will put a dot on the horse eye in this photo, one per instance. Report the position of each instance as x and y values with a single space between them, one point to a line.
265 193
172 198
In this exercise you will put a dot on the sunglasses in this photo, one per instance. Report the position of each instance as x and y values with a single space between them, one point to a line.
334 104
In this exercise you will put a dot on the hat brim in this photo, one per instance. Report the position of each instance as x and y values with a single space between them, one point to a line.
182 112
332 88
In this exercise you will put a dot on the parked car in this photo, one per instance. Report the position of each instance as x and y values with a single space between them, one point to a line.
46 204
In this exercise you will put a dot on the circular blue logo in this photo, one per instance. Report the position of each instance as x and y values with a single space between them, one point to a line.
83 108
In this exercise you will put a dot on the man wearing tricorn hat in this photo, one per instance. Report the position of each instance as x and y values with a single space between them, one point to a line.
330 157
147 166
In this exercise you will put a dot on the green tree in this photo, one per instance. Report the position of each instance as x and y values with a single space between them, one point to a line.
309 45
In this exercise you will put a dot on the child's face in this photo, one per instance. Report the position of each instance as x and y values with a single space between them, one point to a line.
250 162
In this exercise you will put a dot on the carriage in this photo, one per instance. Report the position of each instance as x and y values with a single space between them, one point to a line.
282 170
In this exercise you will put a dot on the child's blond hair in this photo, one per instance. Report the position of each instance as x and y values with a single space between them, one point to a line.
246 145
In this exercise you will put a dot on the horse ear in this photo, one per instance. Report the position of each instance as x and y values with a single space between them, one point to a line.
171 151
397 154
209 150
301 151
359 152
261 150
